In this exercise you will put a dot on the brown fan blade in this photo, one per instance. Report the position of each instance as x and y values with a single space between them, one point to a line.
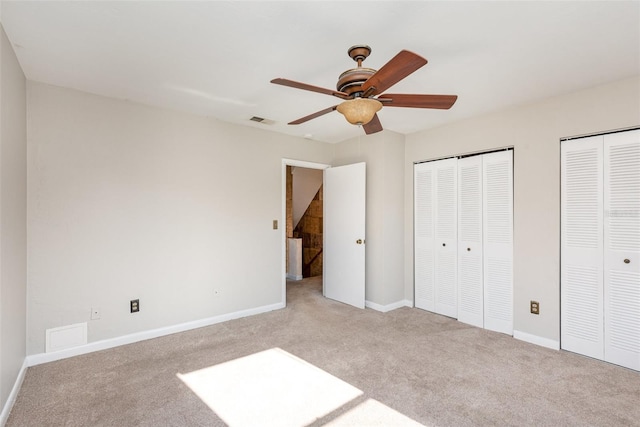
373 126
313 116
399 67
442 102
304 86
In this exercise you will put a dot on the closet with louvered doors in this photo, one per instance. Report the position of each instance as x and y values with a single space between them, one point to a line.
600 247
463 238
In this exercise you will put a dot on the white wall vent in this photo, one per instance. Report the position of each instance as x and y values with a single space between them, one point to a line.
66 337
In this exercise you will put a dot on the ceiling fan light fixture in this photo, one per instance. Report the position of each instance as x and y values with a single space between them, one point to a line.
359 111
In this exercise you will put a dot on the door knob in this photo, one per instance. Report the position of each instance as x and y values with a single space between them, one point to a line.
444 244
627 261
359 241
468 249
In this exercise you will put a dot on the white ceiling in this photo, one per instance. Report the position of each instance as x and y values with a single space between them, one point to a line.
216 58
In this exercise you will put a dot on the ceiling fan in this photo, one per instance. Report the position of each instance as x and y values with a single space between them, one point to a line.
362 90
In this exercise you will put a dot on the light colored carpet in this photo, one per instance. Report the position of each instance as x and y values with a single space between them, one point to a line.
320 362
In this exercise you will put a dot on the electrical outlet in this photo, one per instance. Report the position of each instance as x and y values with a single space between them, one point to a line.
535 307
275 224
95 313
135 305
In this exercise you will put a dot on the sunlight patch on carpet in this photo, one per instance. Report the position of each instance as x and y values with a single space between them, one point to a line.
270 388
372 413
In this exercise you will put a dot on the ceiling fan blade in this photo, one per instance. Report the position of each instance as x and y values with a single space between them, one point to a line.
373 126
313 116
399 67
441 102
304 86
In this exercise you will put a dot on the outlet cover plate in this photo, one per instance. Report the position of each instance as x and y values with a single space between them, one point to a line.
535 307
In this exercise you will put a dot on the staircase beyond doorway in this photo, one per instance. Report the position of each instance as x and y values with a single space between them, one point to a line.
309 229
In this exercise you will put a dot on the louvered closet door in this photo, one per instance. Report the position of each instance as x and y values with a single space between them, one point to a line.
470 280
446 224
424 243
622 248
497 181
581 247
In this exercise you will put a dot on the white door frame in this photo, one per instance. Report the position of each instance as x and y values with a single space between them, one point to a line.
283 217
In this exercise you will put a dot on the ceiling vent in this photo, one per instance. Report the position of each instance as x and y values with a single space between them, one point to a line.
261 120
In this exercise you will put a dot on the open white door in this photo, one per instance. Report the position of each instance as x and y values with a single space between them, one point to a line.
344 233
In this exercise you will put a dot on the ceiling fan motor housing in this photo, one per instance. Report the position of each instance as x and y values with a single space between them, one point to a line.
350 82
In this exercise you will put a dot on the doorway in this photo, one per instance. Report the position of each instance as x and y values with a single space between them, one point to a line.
293 213
304 222
344 207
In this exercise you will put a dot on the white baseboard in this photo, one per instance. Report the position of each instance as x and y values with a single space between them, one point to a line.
37 359
534 339
388 307
294 277
6 410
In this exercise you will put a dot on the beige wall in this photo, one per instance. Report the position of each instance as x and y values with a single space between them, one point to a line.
384 154
13 210
128 201
534 131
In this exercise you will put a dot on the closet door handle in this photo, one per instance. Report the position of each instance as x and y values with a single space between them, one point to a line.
627 261
468 249
444 244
